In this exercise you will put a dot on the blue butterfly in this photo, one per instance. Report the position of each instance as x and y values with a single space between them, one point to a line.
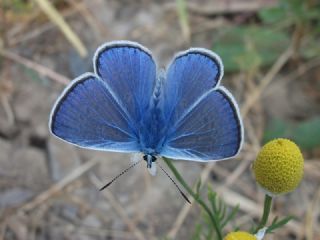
127 106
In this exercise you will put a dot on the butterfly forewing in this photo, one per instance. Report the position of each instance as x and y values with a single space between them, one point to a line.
190 75
130 72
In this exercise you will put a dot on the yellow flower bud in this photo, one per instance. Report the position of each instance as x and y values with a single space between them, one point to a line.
279 166
240 236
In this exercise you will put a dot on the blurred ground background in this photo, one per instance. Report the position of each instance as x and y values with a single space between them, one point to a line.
48 189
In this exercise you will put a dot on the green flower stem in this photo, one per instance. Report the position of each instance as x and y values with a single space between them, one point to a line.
195 196
266 212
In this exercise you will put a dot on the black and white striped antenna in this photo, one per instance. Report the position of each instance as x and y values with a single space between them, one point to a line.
119 175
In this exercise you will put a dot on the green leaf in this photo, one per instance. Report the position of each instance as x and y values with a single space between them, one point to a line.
212 196
248 60
277 128
18 6
198 187
197 232
210 234
246 47
275 220
272 15
231 216
278 224
312 50
307 134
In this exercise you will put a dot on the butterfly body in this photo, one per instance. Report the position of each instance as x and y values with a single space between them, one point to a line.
149 159
127 106
152 128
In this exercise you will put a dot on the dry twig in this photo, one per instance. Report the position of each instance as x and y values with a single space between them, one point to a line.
96 26
225 7
56 18
254 96
113 234
122 213
311 216
42 70
59 186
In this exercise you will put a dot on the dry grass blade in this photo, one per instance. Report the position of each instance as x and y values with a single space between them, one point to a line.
122 213
2 230
234 176
111 233
44 71
34 33
97 28
296 74
8 109
59 186
225 7
253 97
56 18
310 216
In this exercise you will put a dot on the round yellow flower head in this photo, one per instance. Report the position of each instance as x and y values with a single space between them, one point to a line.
240 236
279 166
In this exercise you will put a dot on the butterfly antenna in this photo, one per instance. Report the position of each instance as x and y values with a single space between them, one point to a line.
182 193
119 175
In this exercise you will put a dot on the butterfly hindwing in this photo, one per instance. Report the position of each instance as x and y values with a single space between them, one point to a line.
87 115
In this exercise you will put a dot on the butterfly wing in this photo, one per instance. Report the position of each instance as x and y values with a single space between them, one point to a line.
130 72
100 111
87 115
191 74
205 123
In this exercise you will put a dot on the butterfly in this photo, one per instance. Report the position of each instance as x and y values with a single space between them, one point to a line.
127 105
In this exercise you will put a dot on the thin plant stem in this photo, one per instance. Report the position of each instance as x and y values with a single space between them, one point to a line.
266 212
183 18
195 196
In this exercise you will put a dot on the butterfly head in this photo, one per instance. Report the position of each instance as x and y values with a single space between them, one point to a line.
149 159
